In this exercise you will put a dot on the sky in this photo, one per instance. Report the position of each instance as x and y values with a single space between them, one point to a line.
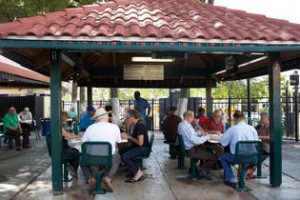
288 9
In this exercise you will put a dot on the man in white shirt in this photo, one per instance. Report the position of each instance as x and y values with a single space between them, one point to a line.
239 132
192 142
103 131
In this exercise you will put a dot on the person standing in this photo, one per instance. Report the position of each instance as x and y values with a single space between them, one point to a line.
141 104
11 126
239 132
103 131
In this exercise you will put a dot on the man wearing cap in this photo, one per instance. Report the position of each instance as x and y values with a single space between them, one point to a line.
239 132
86 120
103 131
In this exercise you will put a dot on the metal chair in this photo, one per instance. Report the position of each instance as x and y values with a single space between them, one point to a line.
98 154
247 153
139 160
64 160
181 158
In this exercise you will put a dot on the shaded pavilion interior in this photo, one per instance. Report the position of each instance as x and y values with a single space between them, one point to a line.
91 45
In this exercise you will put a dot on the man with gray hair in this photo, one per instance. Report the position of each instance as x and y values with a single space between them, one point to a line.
103 131
263 132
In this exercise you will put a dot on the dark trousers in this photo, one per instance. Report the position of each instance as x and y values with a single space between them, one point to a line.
203 154
26 126
16 135
128 157
74 154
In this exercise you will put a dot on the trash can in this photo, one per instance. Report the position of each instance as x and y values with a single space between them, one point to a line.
149 121
290 127
45 126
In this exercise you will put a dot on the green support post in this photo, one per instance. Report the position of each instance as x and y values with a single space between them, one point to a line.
275 127
89 93
55 87
209 100
249 100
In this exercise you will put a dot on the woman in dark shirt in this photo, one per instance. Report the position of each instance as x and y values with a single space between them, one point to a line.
67 151
140 145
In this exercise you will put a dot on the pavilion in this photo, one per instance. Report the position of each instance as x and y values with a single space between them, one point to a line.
95 46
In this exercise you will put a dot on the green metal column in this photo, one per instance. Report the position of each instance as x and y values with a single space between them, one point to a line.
209 103
249 100
55 87
89 93
275 127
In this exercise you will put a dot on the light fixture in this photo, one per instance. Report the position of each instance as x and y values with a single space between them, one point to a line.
253 61
149 59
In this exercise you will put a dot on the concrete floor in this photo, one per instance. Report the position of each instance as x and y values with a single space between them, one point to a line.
165 181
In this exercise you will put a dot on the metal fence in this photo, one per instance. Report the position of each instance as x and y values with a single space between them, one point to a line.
227 105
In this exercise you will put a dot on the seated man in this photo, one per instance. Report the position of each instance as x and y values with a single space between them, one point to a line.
214 125
87 120
202 116
263 132
72 113
26 115
170 125
192 142
11 126
103 131
239 132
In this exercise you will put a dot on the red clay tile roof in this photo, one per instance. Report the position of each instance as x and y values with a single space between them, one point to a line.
10 67
152 19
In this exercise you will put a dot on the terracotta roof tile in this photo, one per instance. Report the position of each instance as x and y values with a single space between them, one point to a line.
154 19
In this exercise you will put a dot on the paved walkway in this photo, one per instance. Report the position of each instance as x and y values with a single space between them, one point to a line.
164 181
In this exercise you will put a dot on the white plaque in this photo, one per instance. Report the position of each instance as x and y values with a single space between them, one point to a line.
143 72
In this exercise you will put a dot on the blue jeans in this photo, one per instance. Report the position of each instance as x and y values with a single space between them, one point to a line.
226 160
129 156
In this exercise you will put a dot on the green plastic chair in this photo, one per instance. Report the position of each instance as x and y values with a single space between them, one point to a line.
97 155
247 153
64 160
181 158
139 160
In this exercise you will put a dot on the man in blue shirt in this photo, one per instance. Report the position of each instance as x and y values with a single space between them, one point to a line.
86 120
239 132
192 142
141 104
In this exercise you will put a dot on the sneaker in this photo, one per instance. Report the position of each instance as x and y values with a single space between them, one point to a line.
72 172
18 149
230 184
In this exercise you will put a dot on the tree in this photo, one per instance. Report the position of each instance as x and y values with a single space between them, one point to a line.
14 9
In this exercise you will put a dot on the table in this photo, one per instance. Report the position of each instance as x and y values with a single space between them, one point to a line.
215 138
75 143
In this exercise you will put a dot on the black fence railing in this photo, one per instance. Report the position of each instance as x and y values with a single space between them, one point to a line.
227 105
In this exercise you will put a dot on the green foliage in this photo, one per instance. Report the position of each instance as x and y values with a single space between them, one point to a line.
13 9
